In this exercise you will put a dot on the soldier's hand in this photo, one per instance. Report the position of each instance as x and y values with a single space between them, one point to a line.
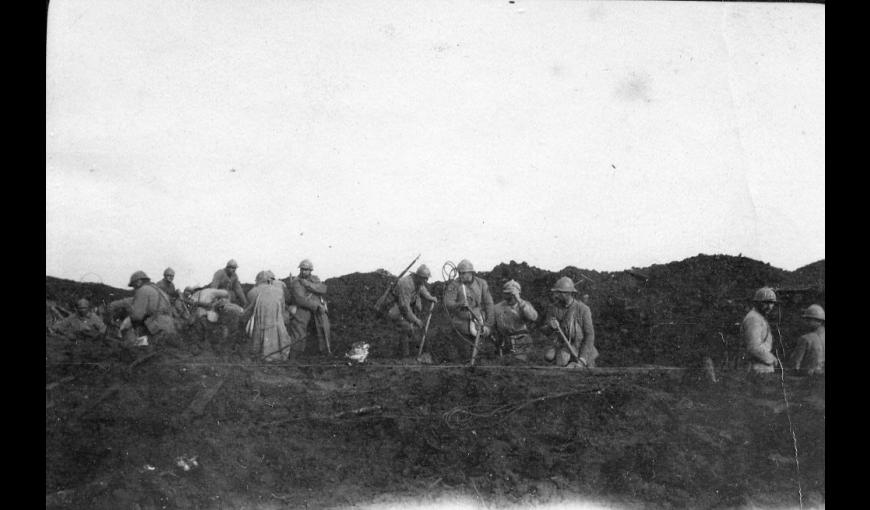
321 308
485 331
418 323
434 299
553 323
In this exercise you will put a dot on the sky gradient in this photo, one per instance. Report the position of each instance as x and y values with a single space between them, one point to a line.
358 134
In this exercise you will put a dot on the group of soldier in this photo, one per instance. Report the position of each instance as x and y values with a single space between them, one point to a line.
278 318
808 356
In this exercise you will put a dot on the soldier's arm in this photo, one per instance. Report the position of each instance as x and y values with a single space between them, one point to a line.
753 333
64 328
528 312
488 305
300 299
315 285
587 327
139 307
797 356
216 279
98 324
237 287
425 294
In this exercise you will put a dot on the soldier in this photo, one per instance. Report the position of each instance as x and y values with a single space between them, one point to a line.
270 340
469 302
574 319
82 325
307 293
167 286
231 311
809 355
756 335
227 279
207 305
406 298
512 317
150 311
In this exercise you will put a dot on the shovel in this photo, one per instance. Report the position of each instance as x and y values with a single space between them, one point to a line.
425 331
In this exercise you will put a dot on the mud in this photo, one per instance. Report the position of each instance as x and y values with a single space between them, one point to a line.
320 432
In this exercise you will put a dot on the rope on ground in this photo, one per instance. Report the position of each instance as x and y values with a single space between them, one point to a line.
462 415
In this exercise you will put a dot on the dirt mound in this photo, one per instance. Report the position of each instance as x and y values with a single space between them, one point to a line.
666 314
133 428
332 435
67 292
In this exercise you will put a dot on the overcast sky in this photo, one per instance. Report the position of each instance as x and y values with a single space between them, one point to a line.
358 134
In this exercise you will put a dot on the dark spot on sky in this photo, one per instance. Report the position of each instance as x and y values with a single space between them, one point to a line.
612 165
635 87
232 169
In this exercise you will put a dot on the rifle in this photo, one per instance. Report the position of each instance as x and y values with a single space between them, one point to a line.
379 304
570 347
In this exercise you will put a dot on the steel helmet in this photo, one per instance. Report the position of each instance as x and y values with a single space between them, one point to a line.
423 272
169 272
465 265
262 277
83 303
138 275
510 286
306 264
765 295
232 263
814 312
564 284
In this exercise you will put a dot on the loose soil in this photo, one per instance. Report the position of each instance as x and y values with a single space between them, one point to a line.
322 432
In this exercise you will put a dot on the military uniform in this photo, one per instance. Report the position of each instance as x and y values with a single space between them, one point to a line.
478 299
76 327
511 326
222 280
575 320
406 299
306 295
758 342
270 340
809 354
151 311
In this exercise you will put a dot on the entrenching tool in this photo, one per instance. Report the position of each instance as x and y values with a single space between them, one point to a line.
570 347
425 331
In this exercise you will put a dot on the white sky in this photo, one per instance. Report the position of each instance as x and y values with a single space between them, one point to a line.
603 135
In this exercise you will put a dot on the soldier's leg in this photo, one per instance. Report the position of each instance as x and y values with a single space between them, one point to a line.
298 330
